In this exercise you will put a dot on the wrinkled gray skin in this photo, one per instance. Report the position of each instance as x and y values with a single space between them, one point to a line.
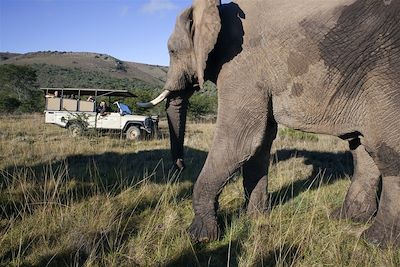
320 66
361 202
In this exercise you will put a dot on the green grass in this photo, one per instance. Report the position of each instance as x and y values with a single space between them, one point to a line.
287 133
104 201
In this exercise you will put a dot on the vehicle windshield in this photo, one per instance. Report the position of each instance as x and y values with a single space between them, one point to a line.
124 109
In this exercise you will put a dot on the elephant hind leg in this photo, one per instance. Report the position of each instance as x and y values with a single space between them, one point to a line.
361 202
385 230
255 176
255 184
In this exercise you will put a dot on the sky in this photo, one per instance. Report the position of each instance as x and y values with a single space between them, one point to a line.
130 30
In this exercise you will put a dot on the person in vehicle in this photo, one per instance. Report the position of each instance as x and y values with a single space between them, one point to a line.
50 95
102 109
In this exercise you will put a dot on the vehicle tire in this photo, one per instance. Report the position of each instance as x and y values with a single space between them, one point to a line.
75 129
133 133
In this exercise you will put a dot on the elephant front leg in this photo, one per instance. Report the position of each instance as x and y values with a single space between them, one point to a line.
255 176
213 177
240 134
361 202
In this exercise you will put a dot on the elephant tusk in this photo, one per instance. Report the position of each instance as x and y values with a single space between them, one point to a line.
155 101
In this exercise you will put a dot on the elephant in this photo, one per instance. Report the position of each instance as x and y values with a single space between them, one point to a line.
326 67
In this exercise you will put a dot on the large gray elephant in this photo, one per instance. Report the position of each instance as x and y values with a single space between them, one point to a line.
329 67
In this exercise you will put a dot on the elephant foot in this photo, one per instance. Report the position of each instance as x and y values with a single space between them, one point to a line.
204 230
357 213
382 236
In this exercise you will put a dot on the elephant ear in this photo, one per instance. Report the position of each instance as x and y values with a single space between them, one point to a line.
206 27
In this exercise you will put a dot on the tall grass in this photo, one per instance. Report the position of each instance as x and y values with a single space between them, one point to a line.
104 201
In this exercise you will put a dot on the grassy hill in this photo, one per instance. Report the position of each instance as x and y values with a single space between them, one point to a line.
94 67
103 201
6 55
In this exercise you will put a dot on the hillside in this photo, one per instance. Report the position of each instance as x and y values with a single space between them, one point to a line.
7 55
70 68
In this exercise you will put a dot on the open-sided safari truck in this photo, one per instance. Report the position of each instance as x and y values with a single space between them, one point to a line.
79 109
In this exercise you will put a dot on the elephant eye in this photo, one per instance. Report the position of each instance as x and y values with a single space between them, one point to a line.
172 51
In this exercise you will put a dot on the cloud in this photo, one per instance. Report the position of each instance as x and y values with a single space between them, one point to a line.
124 11
153 6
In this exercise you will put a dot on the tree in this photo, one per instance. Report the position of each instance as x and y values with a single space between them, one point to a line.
8 104
19 89
205 102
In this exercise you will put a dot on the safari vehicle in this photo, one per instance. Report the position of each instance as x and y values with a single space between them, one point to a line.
78 109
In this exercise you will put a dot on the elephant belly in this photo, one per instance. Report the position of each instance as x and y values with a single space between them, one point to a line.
311 114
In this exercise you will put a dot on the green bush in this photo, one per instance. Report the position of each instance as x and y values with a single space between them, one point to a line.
8 104
144 95
202 105
19 90
205 102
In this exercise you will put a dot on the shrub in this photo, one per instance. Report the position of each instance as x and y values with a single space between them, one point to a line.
201 105
19 89
8 104
145 95
205 102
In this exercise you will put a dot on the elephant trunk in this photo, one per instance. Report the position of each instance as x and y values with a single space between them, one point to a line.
176 107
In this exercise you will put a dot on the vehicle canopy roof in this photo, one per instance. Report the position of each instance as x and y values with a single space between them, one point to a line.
88 92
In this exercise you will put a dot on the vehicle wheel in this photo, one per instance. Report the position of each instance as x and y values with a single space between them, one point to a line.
133 133
75 129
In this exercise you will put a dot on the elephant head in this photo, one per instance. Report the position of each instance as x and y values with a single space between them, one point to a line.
194 38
